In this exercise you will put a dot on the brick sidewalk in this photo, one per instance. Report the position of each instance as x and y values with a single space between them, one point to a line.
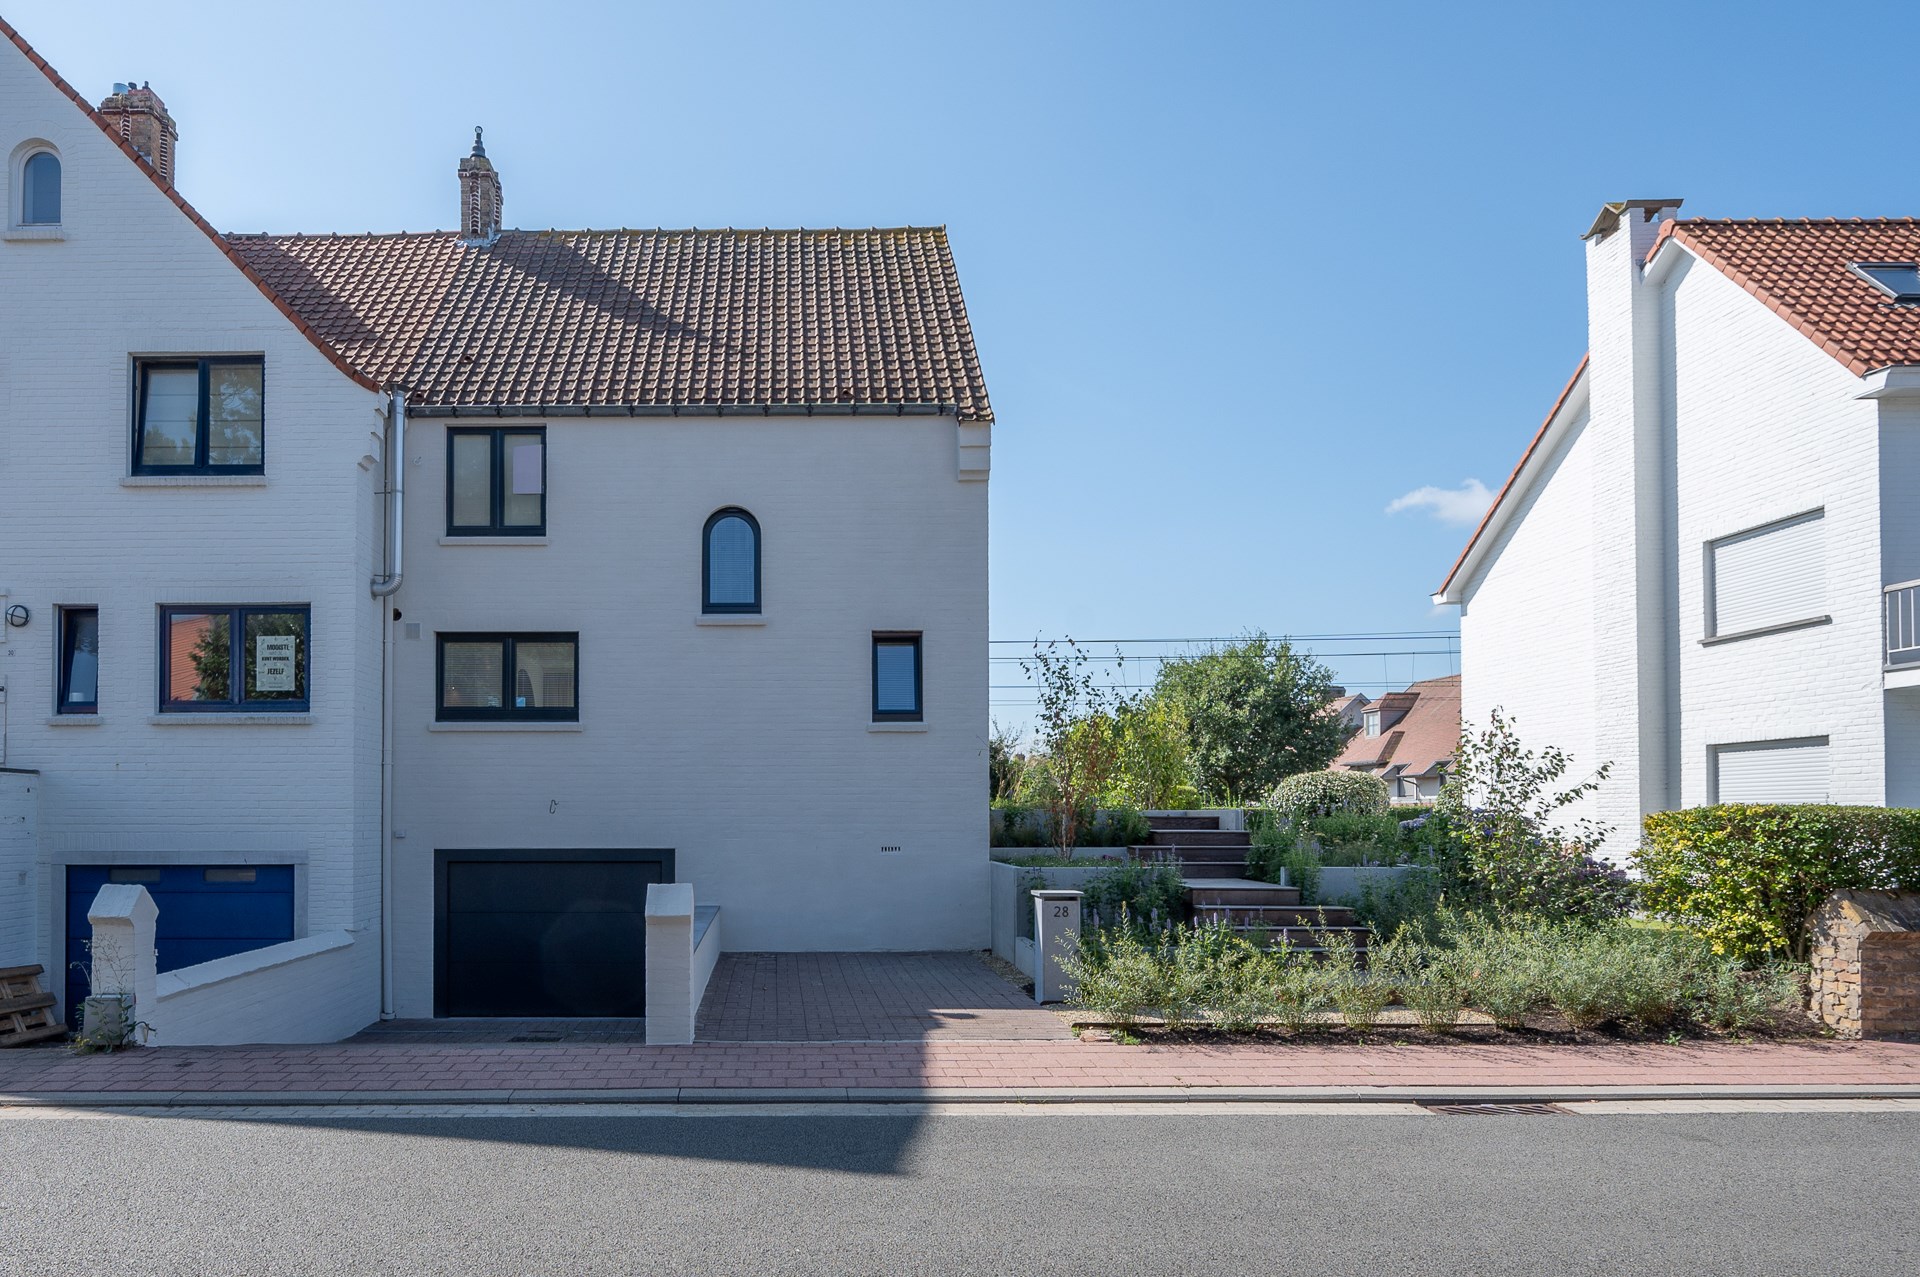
495 1071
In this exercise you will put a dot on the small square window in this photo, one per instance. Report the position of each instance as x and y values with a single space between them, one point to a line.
896 678
505 677
200 416
79 661
196 659
497 482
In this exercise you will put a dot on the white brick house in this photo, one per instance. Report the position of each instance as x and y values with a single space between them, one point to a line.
1702 568
397 608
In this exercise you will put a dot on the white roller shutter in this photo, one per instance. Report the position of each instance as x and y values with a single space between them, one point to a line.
1777 771
1770 576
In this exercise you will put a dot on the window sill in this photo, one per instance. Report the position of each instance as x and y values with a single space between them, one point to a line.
297 718
896 727
35 232
194 481
74 720
730 618
1785 627
539 540
503 727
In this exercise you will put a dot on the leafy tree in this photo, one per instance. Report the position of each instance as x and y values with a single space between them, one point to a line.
1153 772
1005 763
1256 714
1078 741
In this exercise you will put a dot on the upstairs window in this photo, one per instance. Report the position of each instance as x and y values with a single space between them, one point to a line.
506 677
896 678
497 482
40 190
1899 280
1768 578
730 563
1372 720
216 659
200 416
79 661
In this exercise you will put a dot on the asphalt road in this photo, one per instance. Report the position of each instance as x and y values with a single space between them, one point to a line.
1746 1194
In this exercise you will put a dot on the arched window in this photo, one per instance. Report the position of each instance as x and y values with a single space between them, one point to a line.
40 190
730 563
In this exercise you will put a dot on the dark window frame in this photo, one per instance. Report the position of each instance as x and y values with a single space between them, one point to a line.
506 711
707 605
236 702
895 638
203 364
497 483
64 683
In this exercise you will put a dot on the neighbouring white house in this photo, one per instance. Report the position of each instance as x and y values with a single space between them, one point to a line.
1705 569
396 609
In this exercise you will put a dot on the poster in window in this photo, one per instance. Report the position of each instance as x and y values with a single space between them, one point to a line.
273 658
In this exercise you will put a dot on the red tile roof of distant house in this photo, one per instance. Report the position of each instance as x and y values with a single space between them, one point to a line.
1419 729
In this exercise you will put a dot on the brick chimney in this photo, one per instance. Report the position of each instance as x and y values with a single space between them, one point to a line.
139 116
479 197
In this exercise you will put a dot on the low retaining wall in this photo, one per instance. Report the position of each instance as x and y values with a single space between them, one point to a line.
1866 963
683 947
1008 898
318 988
1342 884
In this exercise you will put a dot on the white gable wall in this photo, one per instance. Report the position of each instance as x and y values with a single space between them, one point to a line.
134 275
745 748
1528 630
1767 426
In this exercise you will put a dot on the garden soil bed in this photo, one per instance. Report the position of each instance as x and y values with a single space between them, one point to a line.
1398 1027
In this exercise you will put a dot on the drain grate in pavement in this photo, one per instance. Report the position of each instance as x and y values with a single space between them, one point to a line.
537 1037
1497 1110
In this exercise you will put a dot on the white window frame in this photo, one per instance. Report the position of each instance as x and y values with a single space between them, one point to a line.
18 227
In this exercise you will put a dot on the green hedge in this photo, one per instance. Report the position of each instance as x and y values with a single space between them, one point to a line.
1750 875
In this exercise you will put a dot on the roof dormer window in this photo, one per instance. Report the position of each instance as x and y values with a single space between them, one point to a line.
1372 720
1899 280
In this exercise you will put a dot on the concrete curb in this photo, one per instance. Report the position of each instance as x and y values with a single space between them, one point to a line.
957 1095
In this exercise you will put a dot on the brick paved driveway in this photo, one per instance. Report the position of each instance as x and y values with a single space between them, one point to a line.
867 997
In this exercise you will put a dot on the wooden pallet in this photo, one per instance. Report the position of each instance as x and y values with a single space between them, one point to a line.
26 1014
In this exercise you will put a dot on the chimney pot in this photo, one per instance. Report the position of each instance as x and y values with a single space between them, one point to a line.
479 197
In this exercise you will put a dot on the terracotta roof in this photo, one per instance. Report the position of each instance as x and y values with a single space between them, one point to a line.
219 241
1800 269
1420 739
642 319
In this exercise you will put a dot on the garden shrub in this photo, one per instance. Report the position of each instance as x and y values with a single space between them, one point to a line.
1502 968
1114 974
1412 900
1374 835
1279 855
1750 875
1427 977
1358 994
1736 1000
1301 800
1016 824
1146 894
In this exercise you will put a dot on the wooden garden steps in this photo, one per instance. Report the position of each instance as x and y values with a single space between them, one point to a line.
26 1013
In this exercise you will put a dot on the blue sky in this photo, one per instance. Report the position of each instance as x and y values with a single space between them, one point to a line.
1241 276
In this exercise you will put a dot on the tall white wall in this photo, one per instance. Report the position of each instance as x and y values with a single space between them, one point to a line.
134 276
1767 425
746 749
1528 629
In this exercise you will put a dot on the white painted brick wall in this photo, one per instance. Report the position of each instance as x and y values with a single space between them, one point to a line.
133 275
745 749
1709 414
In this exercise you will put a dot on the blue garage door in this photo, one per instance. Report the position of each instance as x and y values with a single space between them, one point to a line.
206 912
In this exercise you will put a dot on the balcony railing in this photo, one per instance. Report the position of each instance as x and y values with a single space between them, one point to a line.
1903 624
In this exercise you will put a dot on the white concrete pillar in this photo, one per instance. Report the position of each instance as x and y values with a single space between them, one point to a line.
671 1000
1056 935
122 959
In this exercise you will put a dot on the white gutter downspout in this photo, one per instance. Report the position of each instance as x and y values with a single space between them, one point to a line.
384 586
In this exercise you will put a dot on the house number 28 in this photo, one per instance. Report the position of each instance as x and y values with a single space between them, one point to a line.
1059 911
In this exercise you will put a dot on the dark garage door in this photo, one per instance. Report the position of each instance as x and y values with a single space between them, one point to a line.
543 933
206 912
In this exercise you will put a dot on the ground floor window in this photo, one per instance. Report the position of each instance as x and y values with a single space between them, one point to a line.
1773 771
218 658
79 660
509 676
896 678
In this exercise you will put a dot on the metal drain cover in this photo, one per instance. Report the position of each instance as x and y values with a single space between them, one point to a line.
1497 1110
536 1037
